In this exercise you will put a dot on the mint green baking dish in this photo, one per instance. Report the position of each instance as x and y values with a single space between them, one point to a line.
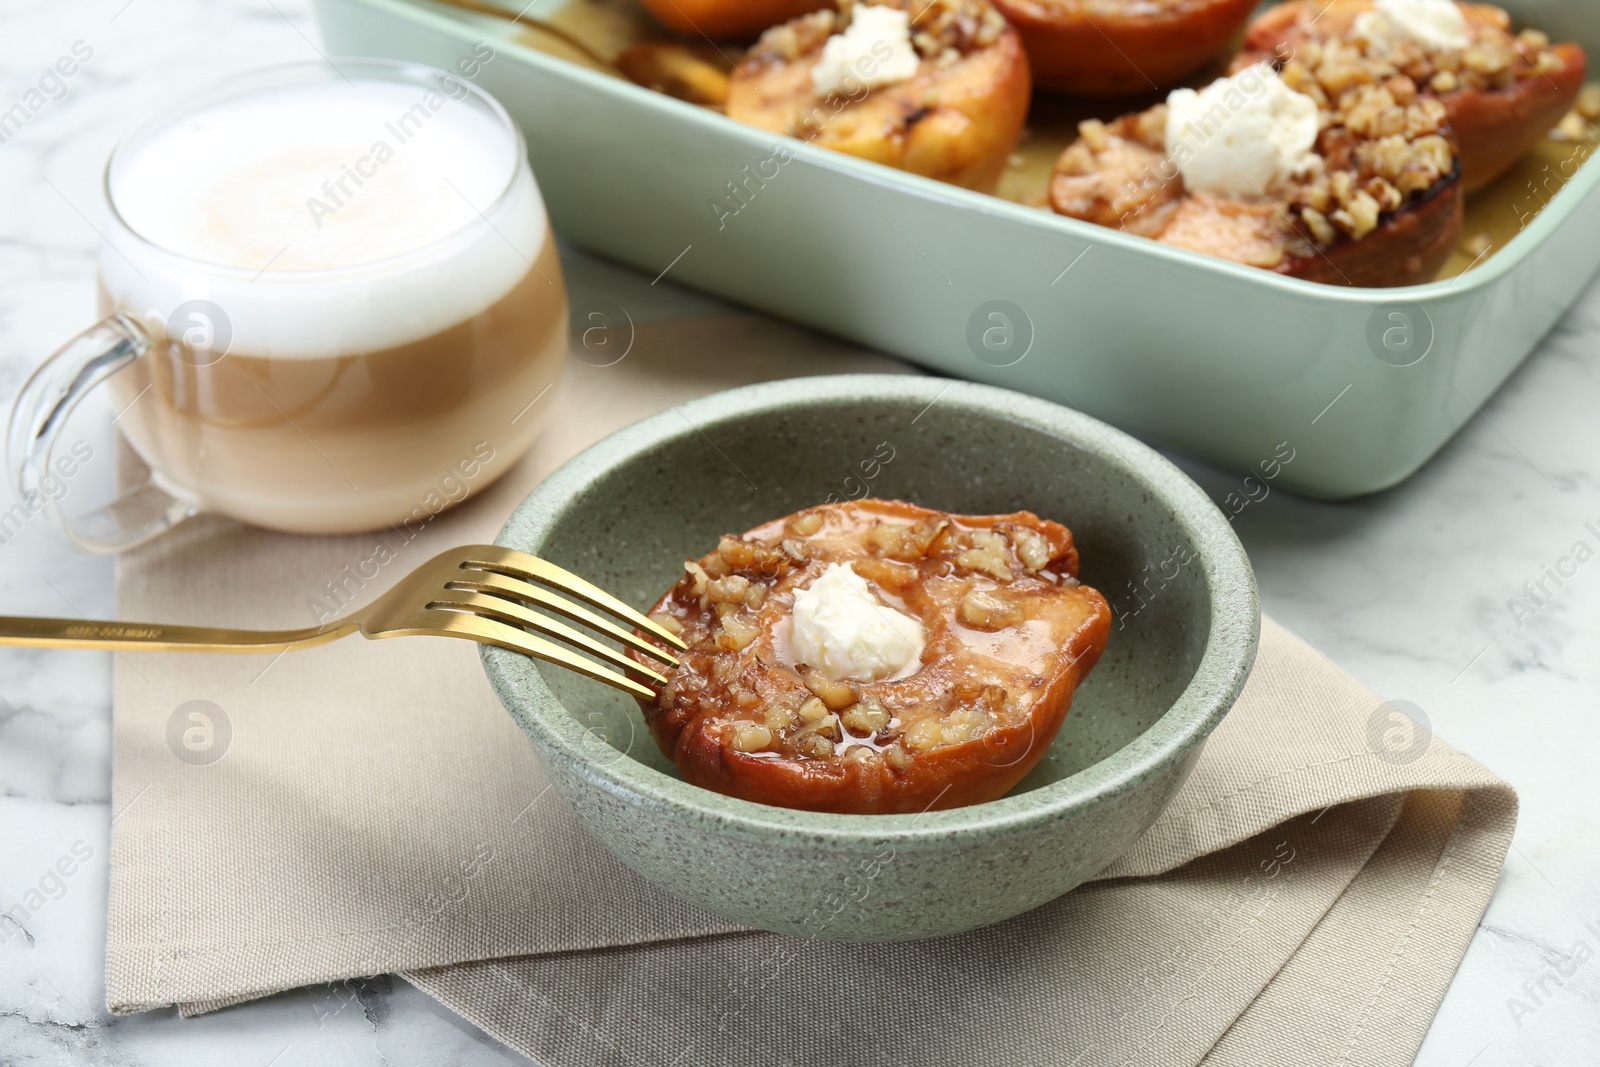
1232 365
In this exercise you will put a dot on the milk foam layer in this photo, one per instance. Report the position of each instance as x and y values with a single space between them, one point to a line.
346 217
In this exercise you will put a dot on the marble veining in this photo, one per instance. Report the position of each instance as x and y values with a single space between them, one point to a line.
1409 590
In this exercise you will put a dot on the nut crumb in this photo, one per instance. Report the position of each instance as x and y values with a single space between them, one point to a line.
744 736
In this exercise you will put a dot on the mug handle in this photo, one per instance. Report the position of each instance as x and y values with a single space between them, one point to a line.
42 408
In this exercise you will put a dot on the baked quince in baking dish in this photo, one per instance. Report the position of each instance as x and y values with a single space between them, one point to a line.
1120 47
1500 92
935 87
1309 172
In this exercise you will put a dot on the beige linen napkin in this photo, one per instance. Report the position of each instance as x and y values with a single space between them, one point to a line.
366 807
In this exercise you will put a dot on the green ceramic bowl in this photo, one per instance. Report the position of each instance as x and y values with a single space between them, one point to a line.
626 512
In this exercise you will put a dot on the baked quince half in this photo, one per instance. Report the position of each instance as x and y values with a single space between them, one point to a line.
935 87
1501 92
1365 191
1122 47
875 657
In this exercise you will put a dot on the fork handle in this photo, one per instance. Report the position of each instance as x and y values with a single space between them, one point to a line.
158 637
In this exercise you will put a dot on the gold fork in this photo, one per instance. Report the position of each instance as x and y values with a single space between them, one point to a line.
482 593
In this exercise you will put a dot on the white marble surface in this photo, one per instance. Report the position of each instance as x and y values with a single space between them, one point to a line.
1407 591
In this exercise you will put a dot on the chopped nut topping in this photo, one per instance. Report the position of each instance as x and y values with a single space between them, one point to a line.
894 576
748 737
1032 550
701 578
971 722
729 590
986 609
1374 128
807 523
813 710
827 726
987 554
836 695
1322 231
865 718
737 633
906 543
1093 134
815 745
667 623
923 735
780 716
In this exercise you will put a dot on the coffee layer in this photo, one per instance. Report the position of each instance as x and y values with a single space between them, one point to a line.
359 440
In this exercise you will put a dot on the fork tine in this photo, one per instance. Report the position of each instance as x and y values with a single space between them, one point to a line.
532 568
503 585
508 611
485 630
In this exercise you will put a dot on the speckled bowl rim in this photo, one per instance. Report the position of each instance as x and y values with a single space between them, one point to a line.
1217 681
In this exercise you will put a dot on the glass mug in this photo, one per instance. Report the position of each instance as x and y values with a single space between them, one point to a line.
328 291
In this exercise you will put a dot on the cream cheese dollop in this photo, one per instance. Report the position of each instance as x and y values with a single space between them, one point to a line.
873 51
842 628
1241 136
1435 24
